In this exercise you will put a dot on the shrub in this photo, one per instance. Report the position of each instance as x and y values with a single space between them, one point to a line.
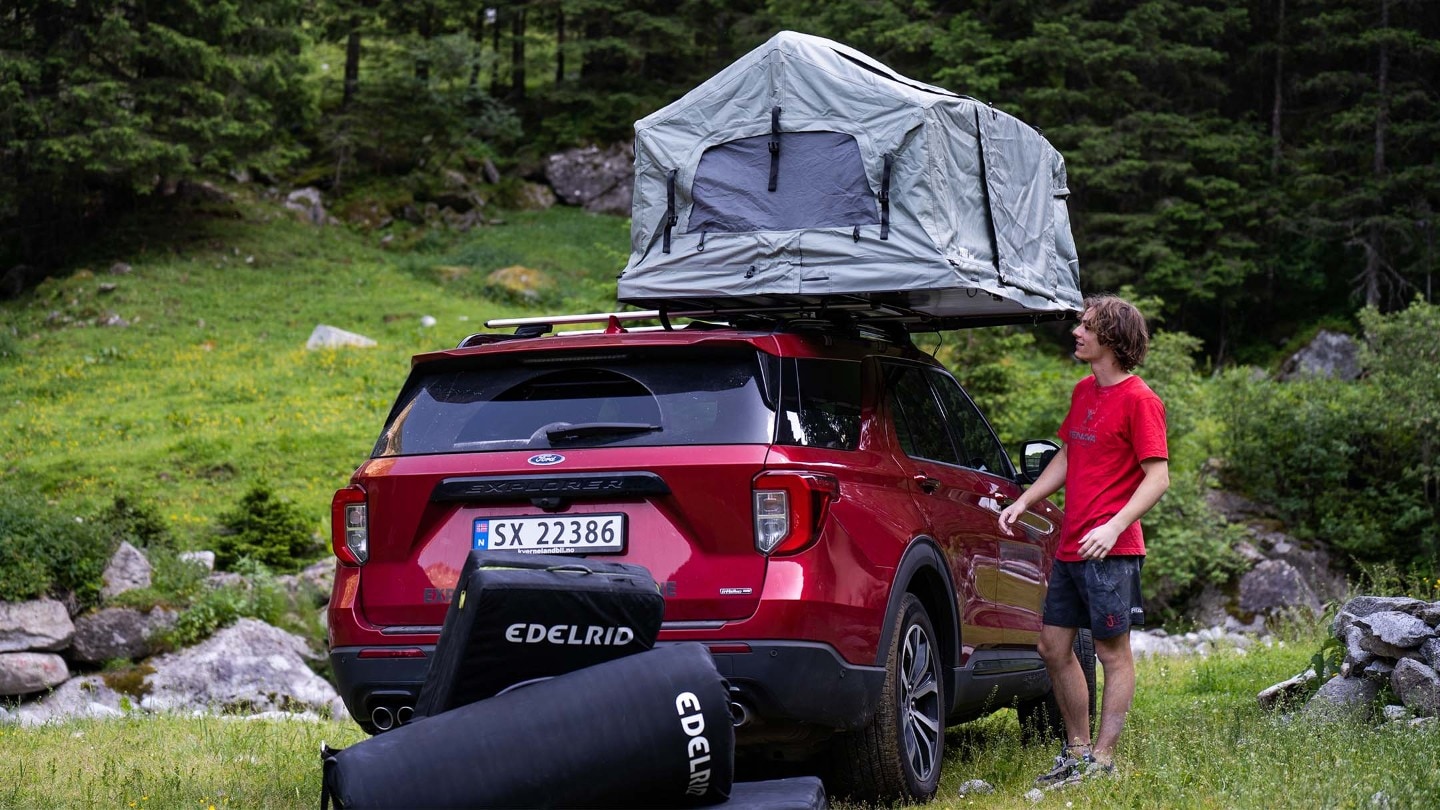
258 596
138 523
267 530
46 552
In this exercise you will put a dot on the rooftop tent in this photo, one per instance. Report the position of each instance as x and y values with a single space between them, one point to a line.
808 175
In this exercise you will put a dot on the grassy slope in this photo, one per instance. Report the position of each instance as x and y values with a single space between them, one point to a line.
211 389
1195 740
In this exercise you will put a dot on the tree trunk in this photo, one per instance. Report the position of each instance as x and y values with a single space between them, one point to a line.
426 29
1375 249
559 43
352 64
1278 104
517 56
495 51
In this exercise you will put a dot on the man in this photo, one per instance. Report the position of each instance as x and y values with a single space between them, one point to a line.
1113 463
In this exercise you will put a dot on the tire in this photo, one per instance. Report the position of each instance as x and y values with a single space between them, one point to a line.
898 756
1040 719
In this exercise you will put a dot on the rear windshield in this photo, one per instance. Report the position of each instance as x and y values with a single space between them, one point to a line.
654 398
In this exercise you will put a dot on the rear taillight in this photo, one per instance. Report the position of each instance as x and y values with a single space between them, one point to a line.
350 526
789 510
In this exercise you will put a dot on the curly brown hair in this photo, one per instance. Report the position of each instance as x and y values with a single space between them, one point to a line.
1119 326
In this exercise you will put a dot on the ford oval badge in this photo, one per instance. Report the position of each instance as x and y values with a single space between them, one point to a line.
546 459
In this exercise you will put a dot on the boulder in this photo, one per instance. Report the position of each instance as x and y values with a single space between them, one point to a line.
1145 643
77 698
249 666
1330 354
42 624
1343 698
329 337
1391 633
598 179
1430 614
204 559
128 570
117 633
1430 653
1417 686
533 197
308 203
23 673
1276 586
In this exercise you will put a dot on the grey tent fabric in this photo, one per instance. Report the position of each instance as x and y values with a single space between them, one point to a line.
886 190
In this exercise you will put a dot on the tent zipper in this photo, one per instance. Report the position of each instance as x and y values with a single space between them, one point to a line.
670 217
885 198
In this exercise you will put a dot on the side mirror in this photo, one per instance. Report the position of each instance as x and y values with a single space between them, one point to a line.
1034 455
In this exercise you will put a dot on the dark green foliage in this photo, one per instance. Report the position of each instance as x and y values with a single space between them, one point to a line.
138 523
1349 463
100 100
45 552
258 597
268 530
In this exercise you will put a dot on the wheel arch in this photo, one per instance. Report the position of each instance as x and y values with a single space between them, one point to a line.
922 571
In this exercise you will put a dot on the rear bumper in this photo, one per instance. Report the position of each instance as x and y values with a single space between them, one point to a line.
782 682
777 683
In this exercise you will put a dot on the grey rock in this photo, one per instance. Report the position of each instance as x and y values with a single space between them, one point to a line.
1285 692
111 633
1417 686
249 666
1343 698
1330 354
1391 633
1430 614
1145 644
975 786
534 197
77 698
1275 586
1395 714
204 559
24 673
1034 795
128 570
1366 605
1236 508
309 204
600 180
1378 670
313 582
1430 653
330 337
41 624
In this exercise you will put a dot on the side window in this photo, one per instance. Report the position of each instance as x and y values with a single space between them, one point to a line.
918 419
820 404
979 449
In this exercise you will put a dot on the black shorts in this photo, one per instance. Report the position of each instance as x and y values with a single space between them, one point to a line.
1103 595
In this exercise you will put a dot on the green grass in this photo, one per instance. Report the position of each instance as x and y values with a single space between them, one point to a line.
1196 739
210 389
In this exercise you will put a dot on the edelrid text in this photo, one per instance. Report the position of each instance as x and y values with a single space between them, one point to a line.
697 747
523 633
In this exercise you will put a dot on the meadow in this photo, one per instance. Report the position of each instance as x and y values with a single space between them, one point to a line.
1196 739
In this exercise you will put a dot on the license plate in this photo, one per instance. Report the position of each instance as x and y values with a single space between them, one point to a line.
552 534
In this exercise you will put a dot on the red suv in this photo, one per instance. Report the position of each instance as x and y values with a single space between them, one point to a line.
816 498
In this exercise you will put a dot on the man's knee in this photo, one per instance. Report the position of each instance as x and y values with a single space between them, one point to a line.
1113 651
1056 645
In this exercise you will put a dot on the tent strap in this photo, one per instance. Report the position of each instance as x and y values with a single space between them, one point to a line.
774 146
670 217
885 198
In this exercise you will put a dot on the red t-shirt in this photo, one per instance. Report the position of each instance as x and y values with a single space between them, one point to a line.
1108 432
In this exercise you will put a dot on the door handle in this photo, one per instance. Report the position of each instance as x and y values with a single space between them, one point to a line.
926 483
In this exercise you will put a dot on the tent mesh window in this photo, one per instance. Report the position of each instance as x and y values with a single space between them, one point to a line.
820 184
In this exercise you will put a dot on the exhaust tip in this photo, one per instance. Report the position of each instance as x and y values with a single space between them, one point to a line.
739 714
382 718
404 714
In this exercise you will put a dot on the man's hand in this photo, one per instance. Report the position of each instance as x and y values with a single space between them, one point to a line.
1009 515
1098 541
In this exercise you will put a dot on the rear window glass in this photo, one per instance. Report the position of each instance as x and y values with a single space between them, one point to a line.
664 398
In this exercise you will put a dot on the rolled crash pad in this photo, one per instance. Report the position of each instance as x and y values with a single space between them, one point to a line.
649 730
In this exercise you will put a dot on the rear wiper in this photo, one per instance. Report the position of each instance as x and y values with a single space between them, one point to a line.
589 430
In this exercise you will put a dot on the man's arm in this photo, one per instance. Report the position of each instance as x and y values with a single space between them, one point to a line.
1051 479
1098 541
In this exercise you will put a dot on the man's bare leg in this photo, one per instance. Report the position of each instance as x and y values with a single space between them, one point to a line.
1068 680
1119 664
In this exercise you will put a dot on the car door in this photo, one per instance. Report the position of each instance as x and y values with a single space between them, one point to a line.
951 497
1025 555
